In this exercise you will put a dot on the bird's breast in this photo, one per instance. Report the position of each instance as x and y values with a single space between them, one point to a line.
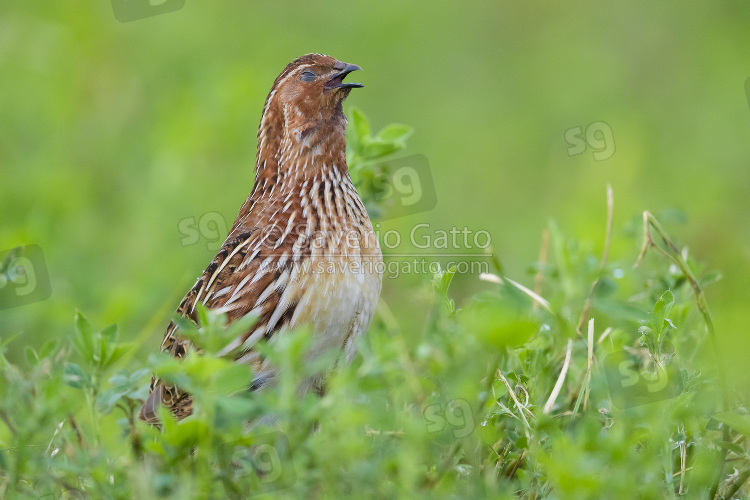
316 243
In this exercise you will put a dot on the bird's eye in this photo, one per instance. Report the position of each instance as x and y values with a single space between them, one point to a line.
308 76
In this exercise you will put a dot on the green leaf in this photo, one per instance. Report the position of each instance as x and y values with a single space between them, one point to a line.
395 132
47 348
496 325
231 379
184 324
100 350
710 278
740 423
110 333
201 314
137 375
186 433
730 446
360 123
376 150
664 305
442 280
83 337
5 342
108 399
31 356
120 379
74 376
115 353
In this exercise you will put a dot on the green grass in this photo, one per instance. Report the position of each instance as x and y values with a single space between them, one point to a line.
595 380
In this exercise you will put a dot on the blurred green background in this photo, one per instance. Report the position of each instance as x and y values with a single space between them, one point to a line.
112 133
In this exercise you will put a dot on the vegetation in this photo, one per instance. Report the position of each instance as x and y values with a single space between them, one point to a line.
126 150
597 380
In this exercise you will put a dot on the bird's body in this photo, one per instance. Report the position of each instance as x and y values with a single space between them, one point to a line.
302 250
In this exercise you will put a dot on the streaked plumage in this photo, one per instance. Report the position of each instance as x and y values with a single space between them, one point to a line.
302 249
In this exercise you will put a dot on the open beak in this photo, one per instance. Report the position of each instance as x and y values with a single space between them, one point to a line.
336 81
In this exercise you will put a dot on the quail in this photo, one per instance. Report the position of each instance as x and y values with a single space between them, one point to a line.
302 250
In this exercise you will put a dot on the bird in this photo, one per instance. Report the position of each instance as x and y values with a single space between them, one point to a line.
302 250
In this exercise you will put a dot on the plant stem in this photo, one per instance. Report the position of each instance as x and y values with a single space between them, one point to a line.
602 263
673 254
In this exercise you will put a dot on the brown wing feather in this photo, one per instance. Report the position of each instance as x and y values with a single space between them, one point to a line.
244 277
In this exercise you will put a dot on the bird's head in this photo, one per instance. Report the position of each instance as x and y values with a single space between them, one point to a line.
313 83
308 96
